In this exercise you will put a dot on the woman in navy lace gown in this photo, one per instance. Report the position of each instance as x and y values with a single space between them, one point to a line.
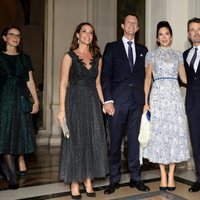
83 154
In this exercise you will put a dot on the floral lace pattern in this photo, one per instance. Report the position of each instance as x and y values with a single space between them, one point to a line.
169 133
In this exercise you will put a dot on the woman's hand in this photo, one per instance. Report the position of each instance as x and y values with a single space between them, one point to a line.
35 108
61 116
146 108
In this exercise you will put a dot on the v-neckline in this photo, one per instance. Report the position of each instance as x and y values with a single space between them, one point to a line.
84 64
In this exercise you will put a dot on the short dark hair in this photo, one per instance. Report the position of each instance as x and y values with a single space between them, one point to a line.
193 20
131 14
163 24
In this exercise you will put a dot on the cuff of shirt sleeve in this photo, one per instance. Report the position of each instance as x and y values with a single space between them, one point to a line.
109 101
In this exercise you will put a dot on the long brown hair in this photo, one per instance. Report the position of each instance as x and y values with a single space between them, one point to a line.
3 44
94 48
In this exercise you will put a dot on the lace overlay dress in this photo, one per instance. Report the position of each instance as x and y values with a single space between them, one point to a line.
84 154
169 134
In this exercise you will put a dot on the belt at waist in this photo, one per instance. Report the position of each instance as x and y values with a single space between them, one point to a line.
162 78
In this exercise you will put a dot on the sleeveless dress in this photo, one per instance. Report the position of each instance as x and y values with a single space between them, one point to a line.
169 133
84 154
16 128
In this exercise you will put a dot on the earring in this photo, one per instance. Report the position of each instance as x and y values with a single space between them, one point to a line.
78 41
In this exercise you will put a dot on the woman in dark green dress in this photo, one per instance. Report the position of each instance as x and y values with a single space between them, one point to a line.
16 81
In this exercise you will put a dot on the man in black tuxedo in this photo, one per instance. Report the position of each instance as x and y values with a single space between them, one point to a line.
192 66
123 75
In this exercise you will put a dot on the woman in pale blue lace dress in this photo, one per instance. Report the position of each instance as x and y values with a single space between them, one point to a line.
169 137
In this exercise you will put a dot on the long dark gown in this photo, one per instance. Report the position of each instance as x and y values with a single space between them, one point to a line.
16 128
84 154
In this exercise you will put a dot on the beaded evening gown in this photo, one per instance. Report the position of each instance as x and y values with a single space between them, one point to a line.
84 154
16 128
169 133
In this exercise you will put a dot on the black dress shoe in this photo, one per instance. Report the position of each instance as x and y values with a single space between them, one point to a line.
111 188
139 185
195 187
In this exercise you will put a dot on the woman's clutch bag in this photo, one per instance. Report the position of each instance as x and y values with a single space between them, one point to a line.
65 128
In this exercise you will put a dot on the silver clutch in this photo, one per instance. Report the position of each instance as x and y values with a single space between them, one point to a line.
65 128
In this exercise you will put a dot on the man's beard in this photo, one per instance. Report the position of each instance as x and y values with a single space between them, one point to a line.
196 40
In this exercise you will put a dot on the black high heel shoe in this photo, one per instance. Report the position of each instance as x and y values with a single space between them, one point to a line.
79 196
171 188
89 194
163 188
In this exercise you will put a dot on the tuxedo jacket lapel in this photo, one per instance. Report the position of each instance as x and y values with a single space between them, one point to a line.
122 50
198 69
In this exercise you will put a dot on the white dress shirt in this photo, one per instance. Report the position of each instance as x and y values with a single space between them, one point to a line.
190 55
125 40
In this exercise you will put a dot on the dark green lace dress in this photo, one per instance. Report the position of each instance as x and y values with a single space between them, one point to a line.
16 128
84 154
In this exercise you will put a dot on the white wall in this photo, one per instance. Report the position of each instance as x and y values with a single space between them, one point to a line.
177 15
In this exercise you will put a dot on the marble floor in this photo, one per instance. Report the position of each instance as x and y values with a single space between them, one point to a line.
41 182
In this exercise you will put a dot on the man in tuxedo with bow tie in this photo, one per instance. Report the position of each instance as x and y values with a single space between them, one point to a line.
192 66
123 75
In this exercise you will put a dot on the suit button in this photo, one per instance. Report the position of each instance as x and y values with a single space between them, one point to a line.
195 78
